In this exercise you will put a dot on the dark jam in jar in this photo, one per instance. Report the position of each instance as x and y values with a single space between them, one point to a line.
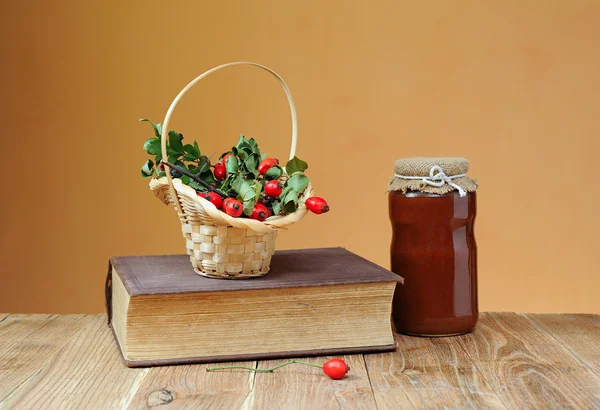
434 249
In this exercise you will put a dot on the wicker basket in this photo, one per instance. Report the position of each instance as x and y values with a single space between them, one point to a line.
219 245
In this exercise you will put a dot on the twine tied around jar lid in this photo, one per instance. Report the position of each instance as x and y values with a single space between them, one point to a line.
432 175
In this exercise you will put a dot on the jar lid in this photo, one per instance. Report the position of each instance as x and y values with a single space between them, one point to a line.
432 175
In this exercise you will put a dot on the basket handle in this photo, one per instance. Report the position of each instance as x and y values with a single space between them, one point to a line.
165 124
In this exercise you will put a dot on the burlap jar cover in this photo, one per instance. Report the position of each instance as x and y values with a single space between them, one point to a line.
432 175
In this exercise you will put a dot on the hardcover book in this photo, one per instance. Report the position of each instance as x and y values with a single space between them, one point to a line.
313 302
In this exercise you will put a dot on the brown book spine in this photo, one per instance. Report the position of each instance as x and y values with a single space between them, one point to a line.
108 293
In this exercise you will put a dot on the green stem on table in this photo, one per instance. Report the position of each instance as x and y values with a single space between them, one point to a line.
212 369
195 178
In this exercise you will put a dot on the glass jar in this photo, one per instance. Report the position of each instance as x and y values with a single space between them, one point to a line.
433 248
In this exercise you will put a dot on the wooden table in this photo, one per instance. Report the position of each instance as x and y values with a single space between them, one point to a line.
510 361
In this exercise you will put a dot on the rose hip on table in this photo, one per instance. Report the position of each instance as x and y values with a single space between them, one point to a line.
336 368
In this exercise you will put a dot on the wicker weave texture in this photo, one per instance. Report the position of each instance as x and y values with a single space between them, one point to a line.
219 250
225 251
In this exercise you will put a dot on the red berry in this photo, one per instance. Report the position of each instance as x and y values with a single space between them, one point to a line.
212 197
223 161
317 205
273 188
233 207
220 172
260 212
267 164
225 201
336 368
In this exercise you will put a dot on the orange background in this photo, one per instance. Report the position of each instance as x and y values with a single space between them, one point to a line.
512 85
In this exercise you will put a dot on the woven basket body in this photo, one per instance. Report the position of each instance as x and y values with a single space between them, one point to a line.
219 245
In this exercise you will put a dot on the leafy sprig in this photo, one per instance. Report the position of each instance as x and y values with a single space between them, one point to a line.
243 181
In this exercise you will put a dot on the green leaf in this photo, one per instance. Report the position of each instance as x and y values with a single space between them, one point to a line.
295 165
298 182
186 180
285 191
232 165
249 206
243 142
175 141
276 208
195 185
152 146
173 158
192 153
208 177
171 151
147 169
158 158
274 172
160 174
157 127
254 146
237 183
204 164
251 164
263 156
246 191
290 202
257 188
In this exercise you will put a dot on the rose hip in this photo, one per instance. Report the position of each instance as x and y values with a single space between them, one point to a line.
233 207
317 205
223 161
212 197
273 188
220 172
260 212
267 164
336 368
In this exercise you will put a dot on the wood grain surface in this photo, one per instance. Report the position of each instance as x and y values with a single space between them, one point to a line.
510 361
28 343
578 333
304 387
428 373
87 372
527 367
192 386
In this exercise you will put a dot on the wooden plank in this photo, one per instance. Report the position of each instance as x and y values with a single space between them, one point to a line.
86 373
580 334
428 373
16 327
526 367
191 386
3 316
304 387
28 344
